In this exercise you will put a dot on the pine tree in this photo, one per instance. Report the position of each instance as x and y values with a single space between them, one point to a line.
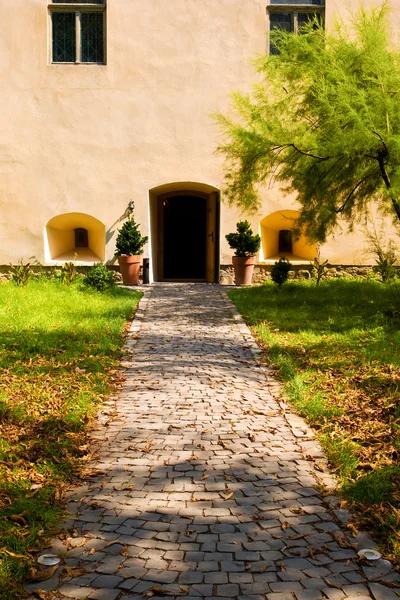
130 242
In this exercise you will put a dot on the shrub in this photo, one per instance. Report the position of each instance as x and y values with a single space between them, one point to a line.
130 241
21 273
244 242
99 277
280 271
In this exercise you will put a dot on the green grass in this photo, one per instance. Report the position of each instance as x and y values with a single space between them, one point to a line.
59 350
336 347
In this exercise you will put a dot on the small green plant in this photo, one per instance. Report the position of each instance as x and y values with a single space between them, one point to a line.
130 241
99 277
68 273
280 271
384 252
319 269
21 273
244 242
385 263
43 272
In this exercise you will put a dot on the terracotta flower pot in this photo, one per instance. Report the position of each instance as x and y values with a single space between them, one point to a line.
243 267
129 267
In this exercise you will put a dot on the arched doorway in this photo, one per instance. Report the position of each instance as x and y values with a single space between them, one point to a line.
185 233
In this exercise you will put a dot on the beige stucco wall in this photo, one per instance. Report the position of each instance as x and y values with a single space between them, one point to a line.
88 139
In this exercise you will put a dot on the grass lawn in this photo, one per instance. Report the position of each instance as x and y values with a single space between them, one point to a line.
337 350
59 348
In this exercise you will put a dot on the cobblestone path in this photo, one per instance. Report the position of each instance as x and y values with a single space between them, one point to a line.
205 484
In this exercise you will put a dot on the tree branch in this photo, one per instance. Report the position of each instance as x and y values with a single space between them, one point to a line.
386 180
353 191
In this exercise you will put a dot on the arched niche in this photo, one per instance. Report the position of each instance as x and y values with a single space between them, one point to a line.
75 236
276 228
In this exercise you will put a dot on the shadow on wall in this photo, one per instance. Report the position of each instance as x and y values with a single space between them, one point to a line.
113 229
75 236
277 238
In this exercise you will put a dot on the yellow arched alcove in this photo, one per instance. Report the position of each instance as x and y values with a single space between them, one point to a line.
60 238
283 220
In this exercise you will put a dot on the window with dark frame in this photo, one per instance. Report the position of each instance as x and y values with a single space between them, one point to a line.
78 31
285 241
81 238
291 15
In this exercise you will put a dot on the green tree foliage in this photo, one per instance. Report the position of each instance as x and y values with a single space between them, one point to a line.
244 242
324 123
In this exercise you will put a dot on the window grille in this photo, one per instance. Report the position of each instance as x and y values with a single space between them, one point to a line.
291 15
78 31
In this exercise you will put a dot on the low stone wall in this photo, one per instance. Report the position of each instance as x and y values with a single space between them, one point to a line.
263 272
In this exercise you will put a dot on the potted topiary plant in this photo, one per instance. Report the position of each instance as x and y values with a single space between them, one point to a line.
246 245
129 247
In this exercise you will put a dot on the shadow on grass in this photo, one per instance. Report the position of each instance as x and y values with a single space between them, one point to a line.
333 306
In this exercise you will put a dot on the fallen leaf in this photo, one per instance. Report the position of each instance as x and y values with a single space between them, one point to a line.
74 571
42 574
111 543
388 583
331 584
311 553
42 595
159 591
229 496
189 532
18 519
13 554
297 510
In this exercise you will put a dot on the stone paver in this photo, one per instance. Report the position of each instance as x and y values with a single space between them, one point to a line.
205 483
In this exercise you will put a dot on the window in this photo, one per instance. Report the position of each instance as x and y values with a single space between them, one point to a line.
77 31
291 15
285 241
81 238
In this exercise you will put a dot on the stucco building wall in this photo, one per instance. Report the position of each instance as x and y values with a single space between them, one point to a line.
89 138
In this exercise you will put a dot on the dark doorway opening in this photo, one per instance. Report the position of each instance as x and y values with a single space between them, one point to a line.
185 222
